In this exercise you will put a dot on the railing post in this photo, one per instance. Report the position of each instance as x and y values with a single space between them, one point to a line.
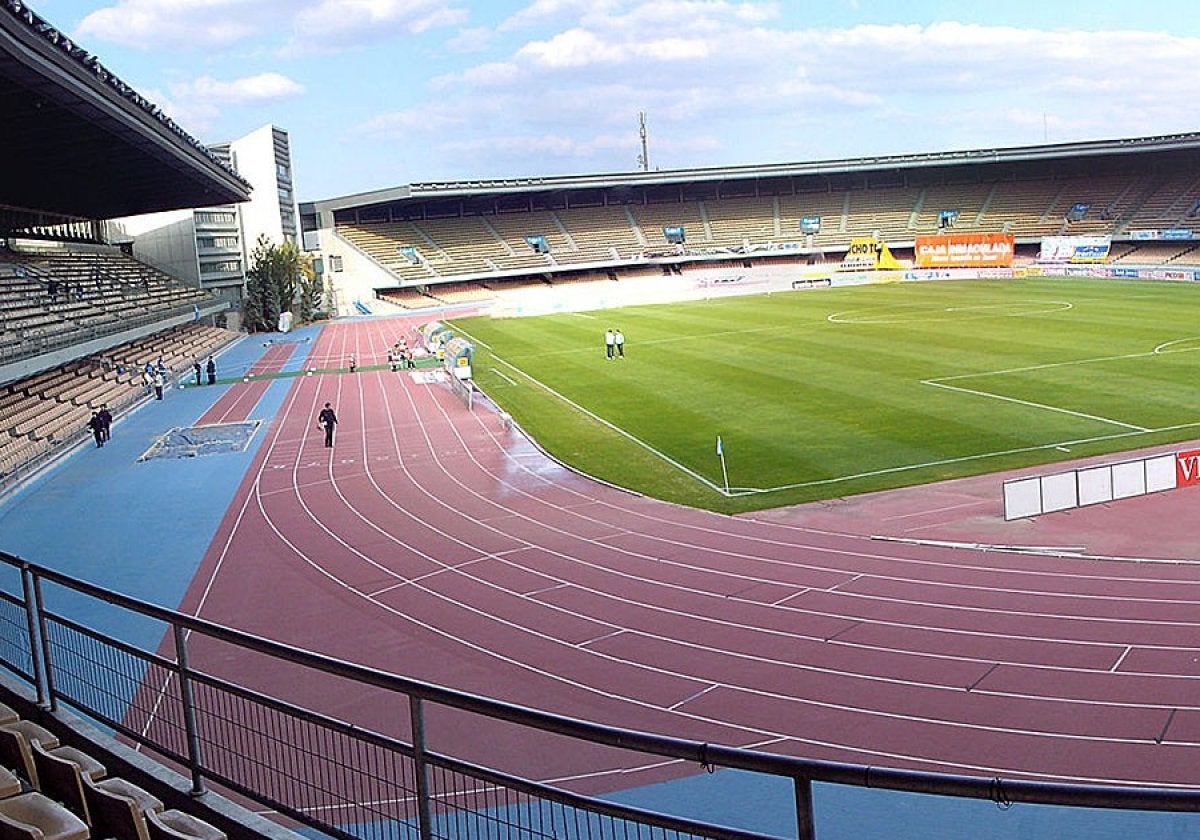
37 648
805 830
189 711
421 769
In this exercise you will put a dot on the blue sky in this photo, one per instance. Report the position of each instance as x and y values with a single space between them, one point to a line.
381 93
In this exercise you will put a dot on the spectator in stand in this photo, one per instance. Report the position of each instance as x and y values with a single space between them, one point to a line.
52 290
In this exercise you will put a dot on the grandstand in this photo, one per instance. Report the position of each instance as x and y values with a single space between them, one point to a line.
77 315
424 235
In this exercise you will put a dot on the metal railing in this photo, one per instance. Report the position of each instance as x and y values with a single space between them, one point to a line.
389 779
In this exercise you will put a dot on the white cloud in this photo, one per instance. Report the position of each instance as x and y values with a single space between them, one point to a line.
476 39
152 24
199 103
548 12
722 82
305 25
261 88
341 24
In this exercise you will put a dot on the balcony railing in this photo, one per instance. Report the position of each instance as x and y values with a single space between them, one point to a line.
390 780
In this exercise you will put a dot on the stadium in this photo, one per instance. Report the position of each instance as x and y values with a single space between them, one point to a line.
580 592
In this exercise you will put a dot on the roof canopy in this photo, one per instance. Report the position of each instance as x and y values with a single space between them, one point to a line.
81 144
1050 160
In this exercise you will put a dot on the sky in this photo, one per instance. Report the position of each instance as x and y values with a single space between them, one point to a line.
383 93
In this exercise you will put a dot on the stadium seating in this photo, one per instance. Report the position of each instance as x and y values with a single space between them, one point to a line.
46 412
738 222
475 258
32 816
58 298
597 234
52 792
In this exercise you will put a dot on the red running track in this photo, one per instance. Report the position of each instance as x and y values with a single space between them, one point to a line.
434 543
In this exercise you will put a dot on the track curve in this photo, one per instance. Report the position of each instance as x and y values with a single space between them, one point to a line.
434 542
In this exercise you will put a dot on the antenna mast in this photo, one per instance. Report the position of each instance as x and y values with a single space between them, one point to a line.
644 158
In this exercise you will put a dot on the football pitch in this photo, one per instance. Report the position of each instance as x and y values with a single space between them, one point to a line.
823 393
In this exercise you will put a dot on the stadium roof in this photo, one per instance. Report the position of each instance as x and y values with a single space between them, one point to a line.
1025 157
79 143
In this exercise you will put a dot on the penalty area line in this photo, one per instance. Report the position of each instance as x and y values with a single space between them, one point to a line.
964 458
1029 404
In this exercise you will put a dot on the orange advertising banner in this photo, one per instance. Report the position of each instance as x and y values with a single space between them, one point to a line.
964 250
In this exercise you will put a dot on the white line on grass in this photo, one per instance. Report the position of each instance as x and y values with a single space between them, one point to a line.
1161 349
917 314
935 383
1157 351
735 492
608 425
504 376
962 459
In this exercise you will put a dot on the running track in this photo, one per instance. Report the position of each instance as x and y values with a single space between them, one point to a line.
433 543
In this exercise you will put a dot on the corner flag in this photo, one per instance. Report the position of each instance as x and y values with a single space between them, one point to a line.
724 471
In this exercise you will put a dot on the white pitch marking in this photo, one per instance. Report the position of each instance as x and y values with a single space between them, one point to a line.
1030 404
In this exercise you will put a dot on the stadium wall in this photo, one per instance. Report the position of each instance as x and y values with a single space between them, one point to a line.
359 277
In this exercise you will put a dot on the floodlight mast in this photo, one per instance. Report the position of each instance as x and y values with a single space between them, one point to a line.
644 158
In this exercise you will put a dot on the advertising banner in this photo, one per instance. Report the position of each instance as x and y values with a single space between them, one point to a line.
868 254
1075 249
1187 467
965 250
1177 233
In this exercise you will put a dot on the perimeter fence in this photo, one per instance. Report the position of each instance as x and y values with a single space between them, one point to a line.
202 699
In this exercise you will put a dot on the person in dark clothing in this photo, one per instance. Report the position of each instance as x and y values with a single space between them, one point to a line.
97 427
212 371
106 418
327 419
196 369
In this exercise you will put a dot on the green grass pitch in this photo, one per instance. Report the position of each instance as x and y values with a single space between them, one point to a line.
831 392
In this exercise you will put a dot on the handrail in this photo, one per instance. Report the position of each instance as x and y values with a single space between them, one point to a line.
802 771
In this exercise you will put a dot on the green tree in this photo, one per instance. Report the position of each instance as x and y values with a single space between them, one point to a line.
278 273
312 292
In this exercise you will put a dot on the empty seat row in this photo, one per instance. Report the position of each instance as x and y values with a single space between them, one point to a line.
53 792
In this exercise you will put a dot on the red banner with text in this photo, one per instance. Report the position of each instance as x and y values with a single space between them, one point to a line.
964 250
1187 468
